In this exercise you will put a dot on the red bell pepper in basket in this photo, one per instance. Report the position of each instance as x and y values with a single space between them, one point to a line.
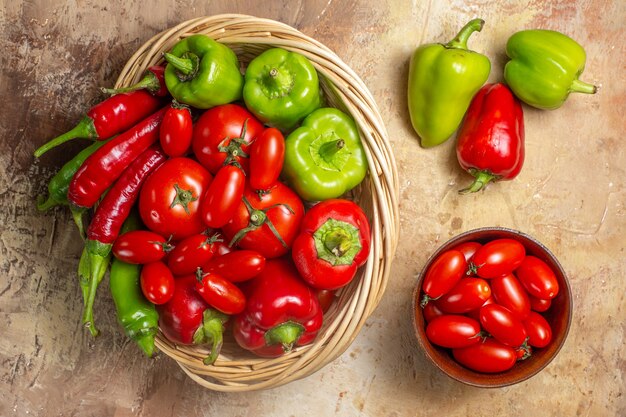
490 142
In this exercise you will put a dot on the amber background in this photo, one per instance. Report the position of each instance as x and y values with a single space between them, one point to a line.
570 195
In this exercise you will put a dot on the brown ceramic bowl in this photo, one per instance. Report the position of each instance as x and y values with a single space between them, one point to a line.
559 316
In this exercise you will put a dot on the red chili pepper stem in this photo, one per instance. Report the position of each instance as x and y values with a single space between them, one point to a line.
286 334
84 129
99 255
211 331
460 40
149 82
481 179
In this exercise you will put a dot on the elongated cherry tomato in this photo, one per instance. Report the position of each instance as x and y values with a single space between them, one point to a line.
221 294
498 257
502 325
267 154
489 356
508 292
468 249
325 297
157 282
475 314
176 130
237 266
537 278
468 294
524 352
539 304
431 311
538 330
190 254
453 331
223 196
443 274
140 247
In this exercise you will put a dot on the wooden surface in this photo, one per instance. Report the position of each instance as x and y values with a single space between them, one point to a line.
570 195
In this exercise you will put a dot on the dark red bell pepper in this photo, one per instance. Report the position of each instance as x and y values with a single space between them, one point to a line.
281 311
153 81
334 241
490 142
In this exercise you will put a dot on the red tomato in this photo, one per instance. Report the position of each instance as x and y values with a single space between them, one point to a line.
538 329
498 257
502 325
538 304
489 356
508 292
267 154
453 331
251 227
157 282
468 249
443 274
237 266
325 297
190 254
140 247
168 201
475 314
431 311
524 352
221 294
176 130
222 135
537 278
223 196
468 294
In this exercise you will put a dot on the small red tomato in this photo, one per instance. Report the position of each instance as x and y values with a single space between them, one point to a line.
538 329
508 292
140 247
475 314
539 304
489 356
325 297
431 311
453 331
502 325
537 278
468 249
223 196
524 352
498 257
267 154
237 266
468 294
176 130
221 294
157 282
190 254
443 274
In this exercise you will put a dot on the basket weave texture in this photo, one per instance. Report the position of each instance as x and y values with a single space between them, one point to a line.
248 36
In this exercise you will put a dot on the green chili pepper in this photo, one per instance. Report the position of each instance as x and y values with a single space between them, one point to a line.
544 68
442 81
324 158
203 73
281 88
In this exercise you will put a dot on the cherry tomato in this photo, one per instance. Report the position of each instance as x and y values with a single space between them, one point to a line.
237 266
537 278
279 208
176 130
223 196
267 154
538 329
475 314
508 292
168 201
140 247
498 257
489 356
540 305
221 294
468 294
524 352
443 274
325 297
502 325
453 331
190 254
431 311
222 135
157 282
468 249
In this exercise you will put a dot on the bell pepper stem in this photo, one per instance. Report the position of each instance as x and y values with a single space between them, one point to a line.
186 65
286 334
583 87
481 179
84 129
329 149
149 82
338 242
460 40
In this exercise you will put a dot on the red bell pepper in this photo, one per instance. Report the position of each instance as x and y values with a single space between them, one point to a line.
490 142
334 241
281 311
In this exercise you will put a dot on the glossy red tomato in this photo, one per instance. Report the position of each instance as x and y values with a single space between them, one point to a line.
468 249
221 294
475 314
502 325
176 130
169 199
157 282
537 278
237 266
431 311
267 154
443 274
453 331
266 223
489 356
538 330
140 247
540 305
468 294
498 257
325 297
508 292
190 254
223 196
222 135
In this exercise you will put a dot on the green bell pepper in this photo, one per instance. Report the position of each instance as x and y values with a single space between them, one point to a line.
203 73
544 68
324 157
443 79
281 88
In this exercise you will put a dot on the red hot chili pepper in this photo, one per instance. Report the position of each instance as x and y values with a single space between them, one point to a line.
490 144
281 311
114 115
153 81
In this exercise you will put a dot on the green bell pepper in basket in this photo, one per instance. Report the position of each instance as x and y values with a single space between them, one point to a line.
203 73
324 157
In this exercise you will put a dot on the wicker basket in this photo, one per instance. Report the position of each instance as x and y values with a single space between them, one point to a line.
236 369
